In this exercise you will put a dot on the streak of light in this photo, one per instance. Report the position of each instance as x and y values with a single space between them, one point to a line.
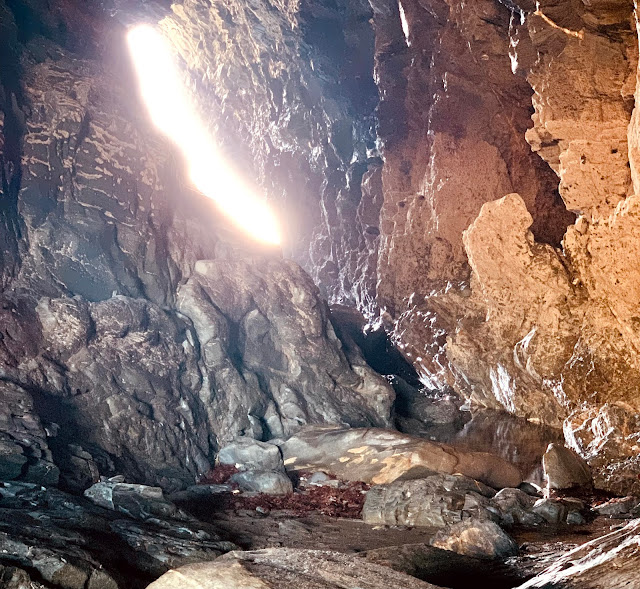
172 111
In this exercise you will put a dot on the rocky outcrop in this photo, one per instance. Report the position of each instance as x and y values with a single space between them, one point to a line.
138 331
509 300
609 561
284 568
67 542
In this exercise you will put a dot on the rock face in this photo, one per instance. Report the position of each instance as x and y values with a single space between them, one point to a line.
137 331
491 286
609 561
382 456
284 568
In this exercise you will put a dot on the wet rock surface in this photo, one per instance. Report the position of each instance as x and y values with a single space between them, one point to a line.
382 456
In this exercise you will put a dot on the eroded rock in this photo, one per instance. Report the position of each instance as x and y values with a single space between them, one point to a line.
432 501
381 456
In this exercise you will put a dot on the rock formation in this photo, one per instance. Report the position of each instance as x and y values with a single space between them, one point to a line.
137 331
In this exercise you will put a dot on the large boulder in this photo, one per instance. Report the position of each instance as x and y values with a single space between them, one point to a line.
381 456
436 500
287 568
564 469
479 538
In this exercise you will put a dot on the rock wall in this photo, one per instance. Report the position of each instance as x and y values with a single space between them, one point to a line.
137 330
495 287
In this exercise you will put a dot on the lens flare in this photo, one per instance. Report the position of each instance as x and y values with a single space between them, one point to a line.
172 111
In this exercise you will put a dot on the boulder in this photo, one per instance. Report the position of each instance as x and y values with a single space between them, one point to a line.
270 482
479 538
137 501
381 456
515 507
564 469
437 500
249 454
611 561
287 568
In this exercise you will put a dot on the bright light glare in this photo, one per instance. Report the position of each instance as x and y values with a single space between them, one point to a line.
173 113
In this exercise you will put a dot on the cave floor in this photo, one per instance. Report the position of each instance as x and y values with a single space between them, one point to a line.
282 528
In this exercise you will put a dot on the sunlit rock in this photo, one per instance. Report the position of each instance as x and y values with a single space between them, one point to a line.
564 469
479 538
381 456
287 568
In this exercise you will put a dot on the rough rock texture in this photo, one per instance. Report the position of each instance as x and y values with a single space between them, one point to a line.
434 501
479 538
609 561
137 330
68 542
284 568
288 90
486 293
381 456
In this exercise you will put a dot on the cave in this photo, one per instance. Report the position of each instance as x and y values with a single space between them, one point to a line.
328 294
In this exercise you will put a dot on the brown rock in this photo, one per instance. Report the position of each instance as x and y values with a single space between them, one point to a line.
381 456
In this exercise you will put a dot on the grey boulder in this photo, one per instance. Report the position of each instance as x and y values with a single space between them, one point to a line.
479 538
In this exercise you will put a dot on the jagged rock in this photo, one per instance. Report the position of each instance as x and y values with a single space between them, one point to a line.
479 538
137 501
72 543
286 347
516 507
24 452
564 469
286 568
618 506
608 561
16 578
435 501
263 481
381 456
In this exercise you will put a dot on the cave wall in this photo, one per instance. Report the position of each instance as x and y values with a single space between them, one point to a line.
465 173
138 329
493 285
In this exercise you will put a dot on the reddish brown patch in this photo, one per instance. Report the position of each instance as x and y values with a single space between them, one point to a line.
345 502
219 475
